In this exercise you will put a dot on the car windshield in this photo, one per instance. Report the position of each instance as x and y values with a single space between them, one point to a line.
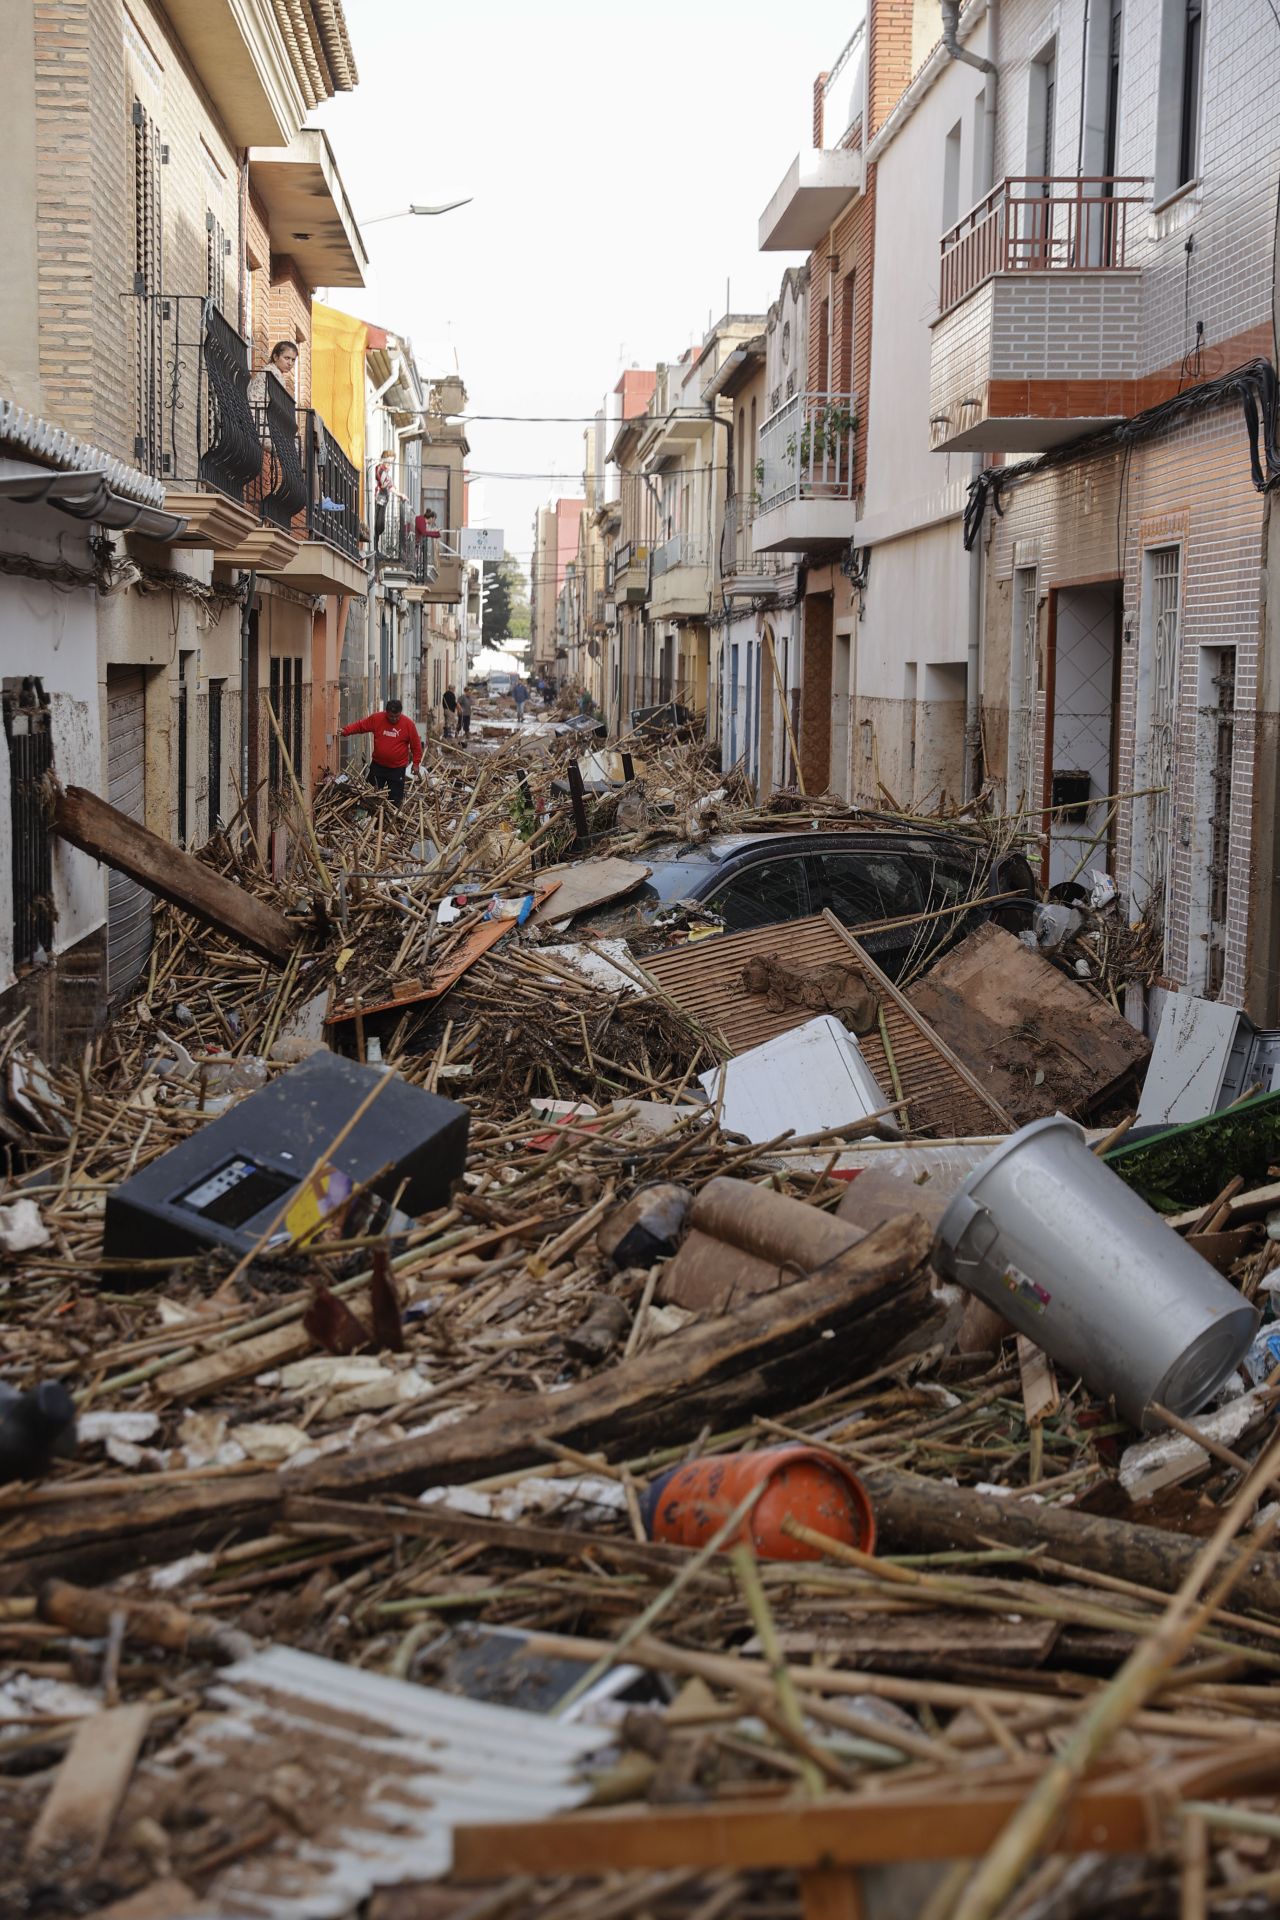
678 879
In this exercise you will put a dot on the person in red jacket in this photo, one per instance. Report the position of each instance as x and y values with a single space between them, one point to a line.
395 743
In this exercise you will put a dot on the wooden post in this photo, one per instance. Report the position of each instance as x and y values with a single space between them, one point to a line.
576 791
831 1894
782 701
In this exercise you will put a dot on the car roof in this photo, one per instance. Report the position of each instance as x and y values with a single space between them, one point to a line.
729 846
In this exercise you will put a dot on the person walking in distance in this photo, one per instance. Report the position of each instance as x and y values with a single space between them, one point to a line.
449 702
395 744
520 693
464 714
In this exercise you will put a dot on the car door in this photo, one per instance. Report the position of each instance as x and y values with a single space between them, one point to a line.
762 892
874 883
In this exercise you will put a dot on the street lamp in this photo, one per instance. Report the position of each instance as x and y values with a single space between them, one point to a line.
403 213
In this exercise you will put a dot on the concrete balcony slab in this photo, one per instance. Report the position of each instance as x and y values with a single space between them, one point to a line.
815 190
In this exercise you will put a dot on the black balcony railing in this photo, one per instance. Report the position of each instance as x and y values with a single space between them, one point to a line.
333 488
281 489
195 422
393 536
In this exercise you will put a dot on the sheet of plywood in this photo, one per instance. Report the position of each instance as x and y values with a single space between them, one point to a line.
589 883
1010 1015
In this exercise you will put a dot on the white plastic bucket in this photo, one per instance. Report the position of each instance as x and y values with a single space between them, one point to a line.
1049 1236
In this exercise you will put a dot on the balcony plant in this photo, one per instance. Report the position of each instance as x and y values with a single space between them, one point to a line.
822 433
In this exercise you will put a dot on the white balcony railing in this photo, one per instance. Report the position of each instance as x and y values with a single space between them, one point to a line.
681 550
806 450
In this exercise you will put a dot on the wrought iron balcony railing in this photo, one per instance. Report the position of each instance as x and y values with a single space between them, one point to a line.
737 555
1039 223
332 511
281 490
399 546
195 421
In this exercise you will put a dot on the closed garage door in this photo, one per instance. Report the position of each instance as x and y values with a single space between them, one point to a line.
128 905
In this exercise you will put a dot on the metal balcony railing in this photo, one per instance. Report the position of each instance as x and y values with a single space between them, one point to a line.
397 544
1039 223
332 512
393 536
737 555
681 550
195 421
806 450
281 490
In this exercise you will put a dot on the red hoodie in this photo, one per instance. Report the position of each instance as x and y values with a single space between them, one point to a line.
394 741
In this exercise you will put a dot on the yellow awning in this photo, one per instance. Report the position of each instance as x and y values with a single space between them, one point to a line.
338 343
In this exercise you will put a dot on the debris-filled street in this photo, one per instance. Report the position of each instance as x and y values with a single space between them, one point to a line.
640 960
728 1397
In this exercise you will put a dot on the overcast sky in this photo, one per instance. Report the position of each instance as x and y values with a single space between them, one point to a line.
619 162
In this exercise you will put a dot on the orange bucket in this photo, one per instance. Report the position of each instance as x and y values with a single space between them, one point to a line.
687 1505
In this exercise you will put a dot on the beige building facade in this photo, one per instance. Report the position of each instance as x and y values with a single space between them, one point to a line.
155 253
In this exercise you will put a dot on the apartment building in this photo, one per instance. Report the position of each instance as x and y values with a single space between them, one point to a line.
446 643
810 448
629 522
758 621
1106 306
167 219
555 550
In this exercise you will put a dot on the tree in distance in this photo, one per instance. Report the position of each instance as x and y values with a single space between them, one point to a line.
506 602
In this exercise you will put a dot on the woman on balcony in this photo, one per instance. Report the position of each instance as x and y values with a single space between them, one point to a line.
284 358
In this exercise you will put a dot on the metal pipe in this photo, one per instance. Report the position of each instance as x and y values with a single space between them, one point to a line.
250 583
951 39
973 657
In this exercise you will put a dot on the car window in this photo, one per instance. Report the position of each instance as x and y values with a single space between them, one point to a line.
872 885
767 891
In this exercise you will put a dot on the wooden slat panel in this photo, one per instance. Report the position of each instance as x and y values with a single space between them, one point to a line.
704 978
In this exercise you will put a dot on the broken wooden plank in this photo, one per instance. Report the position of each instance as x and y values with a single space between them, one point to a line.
472 946
880 980
931 1641
239 1360
1039 1042
110 836
85 1797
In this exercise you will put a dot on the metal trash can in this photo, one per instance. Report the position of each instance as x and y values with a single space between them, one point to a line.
1050 1237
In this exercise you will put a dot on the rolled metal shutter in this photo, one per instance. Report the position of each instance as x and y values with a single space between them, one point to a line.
129 905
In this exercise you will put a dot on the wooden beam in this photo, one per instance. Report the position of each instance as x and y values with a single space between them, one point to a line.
885 985
800 1342
836 1831
89 823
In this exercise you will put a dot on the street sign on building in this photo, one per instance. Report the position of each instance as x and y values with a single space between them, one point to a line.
481 543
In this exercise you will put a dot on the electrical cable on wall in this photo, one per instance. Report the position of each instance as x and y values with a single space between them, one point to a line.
1254 385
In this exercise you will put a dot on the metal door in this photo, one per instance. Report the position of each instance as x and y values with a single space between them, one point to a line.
128 904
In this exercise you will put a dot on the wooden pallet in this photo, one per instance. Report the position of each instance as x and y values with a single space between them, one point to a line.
704 979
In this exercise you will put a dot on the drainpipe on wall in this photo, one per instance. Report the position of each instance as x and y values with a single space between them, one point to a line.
249 581
973 663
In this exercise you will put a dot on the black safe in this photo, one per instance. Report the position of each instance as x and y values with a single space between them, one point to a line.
224 1186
